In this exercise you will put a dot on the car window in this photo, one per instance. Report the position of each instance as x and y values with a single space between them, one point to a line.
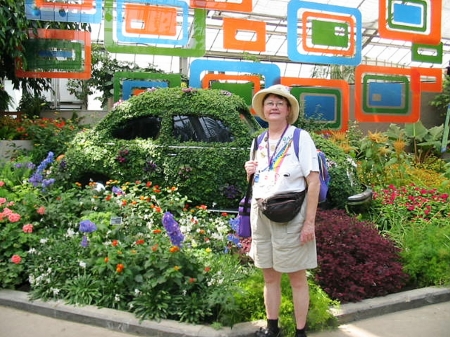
200 129
144 127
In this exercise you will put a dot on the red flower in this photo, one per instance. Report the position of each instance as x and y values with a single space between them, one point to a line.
115 243
119 268
16 259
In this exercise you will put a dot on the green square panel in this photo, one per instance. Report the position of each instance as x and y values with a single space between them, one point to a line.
174 80
244 90
329 33
408 15
427 53
53 54
325 103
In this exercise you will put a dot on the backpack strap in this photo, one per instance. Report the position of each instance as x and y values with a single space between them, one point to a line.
296 140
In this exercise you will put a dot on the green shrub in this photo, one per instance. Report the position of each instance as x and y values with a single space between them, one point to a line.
344 180
416 219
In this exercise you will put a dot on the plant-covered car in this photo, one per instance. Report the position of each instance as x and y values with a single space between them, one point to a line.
194 139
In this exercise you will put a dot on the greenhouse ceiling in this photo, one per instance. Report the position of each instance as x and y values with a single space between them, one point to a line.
374 49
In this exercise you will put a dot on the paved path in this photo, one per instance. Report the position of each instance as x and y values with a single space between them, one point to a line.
429 316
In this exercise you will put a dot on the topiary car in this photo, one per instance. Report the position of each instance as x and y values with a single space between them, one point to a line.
195 139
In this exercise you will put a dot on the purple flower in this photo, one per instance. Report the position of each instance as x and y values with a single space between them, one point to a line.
234 223
37 178
172 229
84 241
87 226
116 190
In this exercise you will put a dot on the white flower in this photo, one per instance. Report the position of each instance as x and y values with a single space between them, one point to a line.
70 233
32 251
117 298
83 264
43 240
55 291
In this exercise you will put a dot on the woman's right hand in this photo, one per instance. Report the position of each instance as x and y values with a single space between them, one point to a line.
250 166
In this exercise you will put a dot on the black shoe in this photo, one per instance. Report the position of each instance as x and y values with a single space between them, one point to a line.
267 333
301 334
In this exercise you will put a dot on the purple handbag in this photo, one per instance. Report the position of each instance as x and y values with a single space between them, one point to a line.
244 229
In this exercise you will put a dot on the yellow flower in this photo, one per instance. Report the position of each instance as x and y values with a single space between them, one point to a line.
383 151
399 146
338 136
377 137
208 250
347 147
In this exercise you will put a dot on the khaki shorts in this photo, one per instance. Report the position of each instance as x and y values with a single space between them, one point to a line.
277 245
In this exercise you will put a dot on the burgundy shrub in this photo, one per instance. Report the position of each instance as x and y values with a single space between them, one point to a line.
355 261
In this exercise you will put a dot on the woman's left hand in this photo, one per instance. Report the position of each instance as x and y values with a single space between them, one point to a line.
308 233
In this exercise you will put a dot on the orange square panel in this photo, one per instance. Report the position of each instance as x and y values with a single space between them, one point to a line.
231 29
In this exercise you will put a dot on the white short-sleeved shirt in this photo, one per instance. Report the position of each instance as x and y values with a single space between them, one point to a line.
279 170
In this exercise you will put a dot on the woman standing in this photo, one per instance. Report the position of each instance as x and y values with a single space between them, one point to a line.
288 247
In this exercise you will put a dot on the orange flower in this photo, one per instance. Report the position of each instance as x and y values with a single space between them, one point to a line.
155 247
207 269
201 231
157 231
119 268
108 197
173 188
140 242
115 243
224 214
124 202
149 183
174 249
156 189
106 259
192 280
158 209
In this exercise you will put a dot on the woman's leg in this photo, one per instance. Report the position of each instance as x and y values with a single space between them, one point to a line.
300 297
272 292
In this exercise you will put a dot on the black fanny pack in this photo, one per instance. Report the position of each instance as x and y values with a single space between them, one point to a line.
282 207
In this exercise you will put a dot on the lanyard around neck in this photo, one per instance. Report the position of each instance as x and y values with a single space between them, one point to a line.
270 158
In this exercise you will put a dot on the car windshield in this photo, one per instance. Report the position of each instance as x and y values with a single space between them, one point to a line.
200 129
145 127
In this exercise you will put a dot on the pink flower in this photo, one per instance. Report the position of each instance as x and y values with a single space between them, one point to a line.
2 200
16 259
2 183
14 217
7 211
41 210
28 228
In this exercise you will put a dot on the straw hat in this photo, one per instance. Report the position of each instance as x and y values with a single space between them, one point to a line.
277 89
